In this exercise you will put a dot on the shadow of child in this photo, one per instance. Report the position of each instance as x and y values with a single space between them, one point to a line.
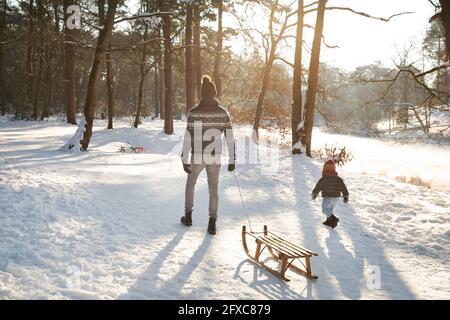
349 271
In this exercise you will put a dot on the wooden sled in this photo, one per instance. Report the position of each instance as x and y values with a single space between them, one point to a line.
284 251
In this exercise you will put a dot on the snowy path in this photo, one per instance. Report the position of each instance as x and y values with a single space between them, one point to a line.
106 225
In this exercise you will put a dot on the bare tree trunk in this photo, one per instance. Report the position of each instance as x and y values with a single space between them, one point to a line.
168 97
70 64
2 81
110 88
313 77
48 82
41 56
37 88
137 117
445 18
50 51
218 56
29 54
416 114
390 119
156 92
197 53
141 81
262 93
81 82
56 5
297 114
162 89
103 42
109 72
270 57
159 50
405 96
101 12
190 78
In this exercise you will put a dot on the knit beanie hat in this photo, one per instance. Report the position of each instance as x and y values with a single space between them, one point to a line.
329 168
208 88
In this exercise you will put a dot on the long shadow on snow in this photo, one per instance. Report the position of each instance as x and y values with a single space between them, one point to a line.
309 227
112 232
271 287
259 205
147 285
261 211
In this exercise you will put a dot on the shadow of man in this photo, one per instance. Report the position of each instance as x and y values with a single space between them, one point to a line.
150 285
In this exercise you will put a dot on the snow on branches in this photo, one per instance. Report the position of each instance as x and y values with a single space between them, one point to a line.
152 21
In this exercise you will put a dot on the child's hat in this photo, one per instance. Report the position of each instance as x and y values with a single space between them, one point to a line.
329 165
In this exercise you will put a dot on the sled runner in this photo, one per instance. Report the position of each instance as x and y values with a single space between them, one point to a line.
284 251
135 149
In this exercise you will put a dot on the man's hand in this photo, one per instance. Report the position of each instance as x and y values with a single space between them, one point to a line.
346 199
187 168
231 167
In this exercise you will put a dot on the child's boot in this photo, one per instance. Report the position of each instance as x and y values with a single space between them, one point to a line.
327 222
333 221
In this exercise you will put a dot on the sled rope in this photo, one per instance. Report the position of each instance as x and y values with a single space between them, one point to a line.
242 201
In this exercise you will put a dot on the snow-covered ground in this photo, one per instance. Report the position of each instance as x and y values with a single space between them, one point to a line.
439 133
105 224
424 163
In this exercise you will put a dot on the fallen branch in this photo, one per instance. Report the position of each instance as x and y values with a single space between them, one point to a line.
12 40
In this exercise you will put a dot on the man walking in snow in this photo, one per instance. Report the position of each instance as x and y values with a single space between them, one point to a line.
332 186
203 139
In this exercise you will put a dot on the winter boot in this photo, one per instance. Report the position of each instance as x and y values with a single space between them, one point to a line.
327 222
333 221
187 219
212 226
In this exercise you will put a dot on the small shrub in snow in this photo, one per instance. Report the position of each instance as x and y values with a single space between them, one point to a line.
340 155
414 181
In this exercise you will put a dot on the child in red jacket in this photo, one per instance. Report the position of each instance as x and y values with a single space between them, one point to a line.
332 186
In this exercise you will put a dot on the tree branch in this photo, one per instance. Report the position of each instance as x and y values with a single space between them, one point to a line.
143 15
364 14
323 38
12 40
439 67
285 61
436 15
415 76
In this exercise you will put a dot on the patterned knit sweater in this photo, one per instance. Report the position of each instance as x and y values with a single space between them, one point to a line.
205 125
